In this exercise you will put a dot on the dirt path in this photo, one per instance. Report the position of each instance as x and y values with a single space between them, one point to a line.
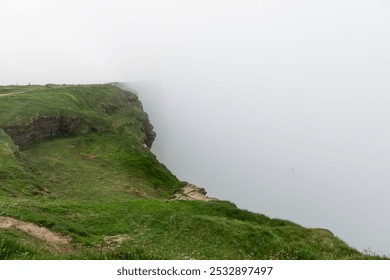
54 240
12 93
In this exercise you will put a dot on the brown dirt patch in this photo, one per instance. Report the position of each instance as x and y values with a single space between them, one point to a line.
54 240
86 156
12 93
116 240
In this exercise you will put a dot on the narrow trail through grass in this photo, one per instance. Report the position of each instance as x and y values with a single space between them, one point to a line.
13 93
54 240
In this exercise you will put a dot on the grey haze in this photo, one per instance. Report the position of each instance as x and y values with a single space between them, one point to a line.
279 106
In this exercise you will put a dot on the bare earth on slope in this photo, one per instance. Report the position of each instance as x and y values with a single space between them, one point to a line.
55 240
12 93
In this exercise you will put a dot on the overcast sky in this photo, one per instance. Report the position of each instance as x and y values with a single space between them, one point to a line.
279 106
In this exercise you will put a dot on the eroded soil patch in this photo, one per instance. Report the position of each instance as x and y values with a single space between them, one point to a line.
54 240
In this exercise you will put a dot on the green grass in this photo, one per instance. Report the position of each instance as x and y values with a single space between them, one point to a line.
100 184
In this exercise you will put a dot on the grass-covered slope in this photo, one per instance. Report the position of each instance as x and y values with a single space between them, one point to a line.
73 160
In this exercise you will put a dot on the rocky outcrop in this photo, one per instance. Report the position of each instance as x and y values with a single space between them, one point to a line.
42 128
147 129
127 101
192 192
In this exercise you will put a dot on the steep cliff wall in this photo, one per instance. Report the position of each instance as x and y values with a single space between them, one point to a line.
147 129
42 128
61 111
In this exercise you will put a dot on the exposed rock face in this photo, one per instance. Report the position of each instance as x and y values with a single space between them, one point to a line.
132 101
113 106
42 128
192 192
54 126
147 129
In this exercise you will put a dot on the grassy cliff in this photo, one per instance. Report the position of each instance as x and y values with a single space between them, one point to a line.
78 181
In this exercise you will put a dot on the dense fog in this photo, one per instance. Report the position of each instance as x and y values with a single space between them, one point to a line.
281 107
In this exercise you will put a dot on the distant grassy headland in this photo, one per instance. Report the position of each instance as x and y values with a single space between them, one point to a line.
78 181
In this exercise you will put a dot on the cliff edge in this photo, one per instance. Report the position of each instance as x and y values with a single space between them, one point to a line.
77 181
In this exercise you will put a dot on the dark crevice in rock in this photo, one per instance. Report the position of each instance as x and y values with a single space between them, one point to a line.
42 128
